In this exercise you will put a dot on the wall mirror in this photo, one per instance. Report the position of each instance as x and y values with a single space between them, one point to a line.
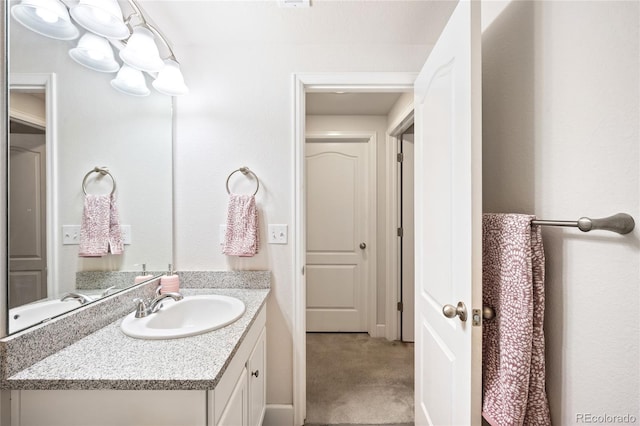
64 120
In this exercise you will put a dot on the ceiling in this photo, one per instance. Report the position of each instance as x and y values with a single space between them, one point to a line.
210 22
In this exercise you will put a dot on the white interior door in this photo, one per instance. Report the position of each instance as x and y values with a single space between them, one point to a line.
448 214
27 219
408 252
337 227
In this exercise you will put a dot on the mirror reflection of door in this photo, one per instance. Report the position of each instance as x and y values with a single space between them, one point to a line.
27 198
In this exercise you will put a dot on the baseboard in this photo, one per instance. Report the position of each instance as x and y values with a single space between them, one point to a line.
278 415
381 330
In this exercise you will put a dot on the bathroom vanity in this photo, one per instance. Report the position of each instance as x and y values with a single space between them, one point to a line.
108 378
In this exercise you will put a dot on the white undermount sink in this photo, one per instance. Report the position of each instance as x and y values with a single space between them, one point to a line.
190 316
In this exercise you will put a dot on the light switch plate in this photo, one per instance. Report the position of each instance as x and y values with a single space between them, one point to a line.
125 231
278 234
70 234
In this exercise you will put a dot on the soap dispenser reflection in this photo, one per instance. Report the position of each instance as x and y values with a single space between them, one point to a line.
170 283
144 276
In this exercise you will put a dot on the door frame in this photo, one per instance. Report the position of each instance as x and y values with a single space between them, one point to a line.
370 279
46 82
394 131
303 83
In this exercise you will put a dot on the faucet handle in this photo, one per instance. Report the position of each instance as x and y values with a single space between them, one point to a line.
157 307
106 291
141 308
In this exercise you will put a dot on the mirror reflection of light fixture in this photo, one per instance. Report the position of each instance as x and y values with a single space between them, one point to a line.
103 17
141 51
104 20
49 18
170 80
94 52
130 82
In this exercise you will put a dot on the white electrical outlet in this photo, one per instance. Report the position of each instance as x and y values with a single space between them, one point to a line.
278 234
71 234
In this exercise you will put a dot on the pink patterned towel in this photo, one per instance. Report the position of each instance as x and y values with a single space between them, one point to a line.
513 342
241 237
100 228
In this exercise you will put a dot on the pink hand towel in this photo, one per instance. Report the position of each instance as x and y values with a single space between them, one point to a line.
241 237
100 228
513 342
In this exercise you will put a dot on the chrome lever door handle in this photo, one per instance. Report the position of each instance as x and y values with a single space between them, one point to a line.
459 311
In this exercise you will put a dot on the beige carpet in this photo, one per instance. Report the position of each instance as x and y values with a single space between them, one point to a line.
355 379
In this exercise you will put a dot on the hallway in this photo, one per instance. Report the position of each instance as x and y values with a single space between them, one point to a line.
355 379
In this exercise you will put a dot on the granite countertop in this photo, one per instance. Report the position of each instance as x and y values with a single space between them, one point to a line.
108 359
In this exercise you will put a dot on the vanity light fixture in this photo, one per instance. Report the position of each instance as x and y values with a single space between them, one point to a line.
49 18
130 81
104 20
94 52
169 80
102 17
141 51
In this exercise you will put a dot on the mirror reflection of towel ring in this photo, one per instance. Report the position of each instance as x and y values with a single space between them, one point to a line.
245 171
103 171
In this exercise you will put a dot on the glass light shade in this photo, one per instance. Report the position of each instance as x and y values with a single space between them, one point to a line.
170 80
130 82
141 51
45 17
94 52
102 17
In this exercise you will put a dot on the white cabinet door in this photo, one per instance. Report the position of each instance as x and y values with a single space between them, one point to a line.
235 412
246 359
256 367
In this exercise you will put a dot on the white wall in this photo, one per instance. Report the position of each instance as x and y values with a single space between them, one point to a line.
561 138
240 112
377 124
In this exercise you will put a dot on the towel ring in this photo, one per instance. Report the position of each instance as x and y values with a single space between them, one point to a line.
245 171
103 171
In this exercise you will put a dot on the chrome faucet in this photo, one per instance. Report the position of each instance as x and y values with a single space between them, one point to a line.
142 309
77 296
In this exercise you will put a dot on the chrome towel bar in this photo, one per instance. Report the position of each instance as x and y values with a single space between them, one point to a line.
245 171
101 170
621 223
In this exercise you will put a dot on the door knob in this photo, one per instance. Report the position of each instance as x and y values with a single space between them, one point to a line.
363 246
451 311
